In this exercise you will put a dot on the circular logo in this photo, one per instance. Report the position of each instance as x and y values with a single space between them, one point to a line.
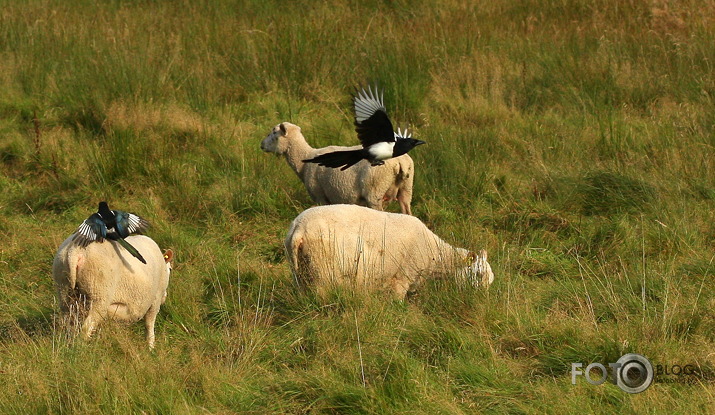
634 374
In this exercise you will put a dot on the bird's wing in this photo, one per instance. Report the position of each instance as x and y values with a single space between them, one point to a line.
335 159
129 223
92 229
399 135
371 121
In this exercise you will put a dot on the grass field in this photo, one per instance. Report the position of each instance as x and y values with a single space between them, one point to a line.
572 139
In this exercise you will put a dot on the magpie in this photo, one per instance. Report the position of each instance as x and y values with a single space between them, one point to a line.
110 224
374 129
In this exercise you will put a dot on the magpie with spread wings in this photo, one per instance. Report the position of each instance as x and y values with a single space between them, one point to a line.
374 129
109 224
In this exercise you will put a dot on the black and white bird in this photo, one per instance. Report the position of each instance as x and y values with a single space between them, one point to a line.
374 129
109 224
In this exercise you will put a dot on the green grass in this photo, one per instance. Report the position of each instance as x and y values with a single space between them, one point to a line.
574 140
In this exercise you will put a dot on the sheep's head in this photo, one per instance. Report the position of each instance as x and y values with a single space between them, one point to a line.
168 259
279 139
479 272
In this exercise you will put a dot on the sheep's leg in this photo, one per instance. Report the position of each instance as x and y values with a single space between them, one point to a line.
318 195
404 196
378 204
149 321
400 286
372 198
405 207
399 294
63 294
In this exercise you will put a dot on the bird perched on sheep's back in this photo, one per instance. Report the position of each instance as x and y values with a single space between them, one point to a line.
109 224
374 129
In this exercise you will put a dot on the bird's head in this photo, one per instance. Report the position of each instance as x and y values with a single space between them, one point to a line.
404 139
104 210
406 144
414 143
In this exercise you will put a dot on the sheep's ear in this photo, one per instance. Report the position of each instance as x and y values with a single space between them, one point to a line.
168 256
283 128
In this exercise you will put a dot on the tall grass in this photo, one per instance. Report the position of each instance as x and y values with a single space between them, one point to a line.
573 140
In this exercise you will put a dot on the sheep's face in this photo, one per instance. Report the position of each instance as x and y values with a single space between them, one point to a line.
277 141
479 273
168 259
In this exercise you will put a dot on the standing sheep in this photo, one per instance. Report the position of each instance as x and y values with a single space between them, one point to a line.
365 185
353 245
116 285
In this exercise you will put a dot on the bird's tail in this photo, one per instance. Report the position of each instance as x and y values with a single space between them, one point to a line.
131 249
335 159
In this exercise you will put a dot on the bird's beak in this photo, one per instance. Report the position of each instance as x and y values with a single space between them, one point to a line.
418 142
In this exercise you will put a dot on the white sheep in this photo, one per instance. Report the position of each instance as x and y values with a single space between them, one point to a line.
115 284
362 184
360 247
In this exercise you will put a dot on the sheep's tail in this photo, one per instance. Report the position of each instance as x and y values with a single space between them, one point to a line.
343 159
73 261
293 244
67 262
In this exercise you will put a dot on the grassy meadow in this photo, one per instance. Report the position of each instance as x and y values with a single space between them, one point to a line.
572 139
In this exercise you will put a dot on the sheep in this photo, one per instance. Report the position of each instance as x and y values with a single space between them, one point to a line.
116 285
371 186
354 245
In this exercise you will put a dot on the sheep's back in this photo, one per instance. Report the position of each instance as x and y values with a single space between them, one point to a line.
353 185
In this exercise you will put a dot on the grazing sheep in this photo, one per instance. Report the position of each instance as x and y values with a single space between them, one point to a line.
353 245
115 284
365 185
